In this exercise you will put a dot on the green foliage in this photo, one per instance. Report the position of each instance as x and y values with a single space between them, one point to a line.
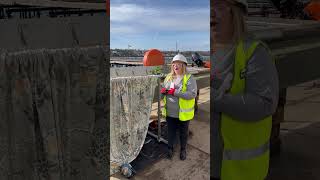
156 71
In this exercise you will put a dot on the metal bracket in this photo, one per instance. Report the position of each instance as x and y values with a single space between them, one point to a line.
158 136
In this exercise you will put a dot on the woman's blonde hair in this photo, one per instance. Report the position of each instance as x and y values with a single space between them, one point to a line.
238 20
239 23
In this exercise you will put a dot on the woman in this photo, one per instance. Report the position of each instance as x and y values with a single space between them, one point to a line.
179 90
244 95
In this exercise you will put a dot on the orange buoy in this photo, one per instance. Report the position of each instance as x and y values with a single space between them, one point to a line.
153 57
207 64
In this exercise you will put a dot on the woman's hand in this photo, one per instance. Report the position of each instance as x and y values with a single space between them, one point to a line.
163 91
171 91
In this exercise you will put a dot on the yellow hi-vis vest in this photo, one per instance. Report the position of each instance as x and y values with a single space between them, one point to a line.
246 144
186 107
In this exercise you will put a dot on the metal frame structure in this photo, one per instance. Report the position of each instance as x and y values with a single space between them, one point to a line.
158 136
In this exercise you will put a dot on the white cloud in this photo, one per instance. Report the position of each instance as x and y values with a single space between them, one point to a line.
124 29
140 19
201 45
129 12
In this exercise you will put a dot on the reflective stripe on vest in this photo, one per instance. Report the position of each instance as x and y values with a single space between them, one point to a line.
244 154
246 144
186 107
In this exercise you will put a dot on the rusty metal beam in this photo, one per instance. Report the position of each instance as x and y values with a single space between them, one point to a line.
84 4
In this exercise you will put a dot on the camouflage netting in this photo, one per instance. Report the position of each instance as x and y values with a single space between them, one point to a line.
130 108
54 115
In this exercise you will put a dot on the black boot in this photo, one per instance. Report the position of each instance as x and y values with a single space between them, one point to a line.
183 154
170 153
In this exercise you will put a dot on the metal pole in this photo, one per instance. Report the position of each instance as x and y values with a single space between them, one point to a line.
156 136
159 99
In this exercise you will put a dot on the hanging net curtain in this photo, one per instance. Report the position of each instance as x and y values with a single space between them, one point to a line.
130 108
53 114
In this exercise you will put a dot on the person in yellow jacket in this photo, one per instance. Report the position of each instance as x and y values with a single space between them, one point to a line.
179 92
244 95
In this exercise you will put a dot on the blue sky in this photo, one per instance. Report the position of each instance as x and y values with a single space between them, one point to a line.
146 24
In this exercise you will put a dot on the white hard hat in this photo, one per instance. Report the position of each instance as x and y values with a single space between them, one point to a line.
244 3
180 57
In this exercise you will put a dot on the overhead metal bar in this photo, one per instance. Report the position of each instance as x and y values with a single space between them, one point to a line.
83 4
25 12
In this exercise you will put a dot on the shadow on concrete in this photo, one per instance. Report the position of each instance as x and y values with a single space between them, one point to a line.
150 153
300 155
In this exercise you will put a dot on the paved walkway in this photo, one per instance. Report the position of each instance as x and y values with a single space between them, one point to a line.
300 134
